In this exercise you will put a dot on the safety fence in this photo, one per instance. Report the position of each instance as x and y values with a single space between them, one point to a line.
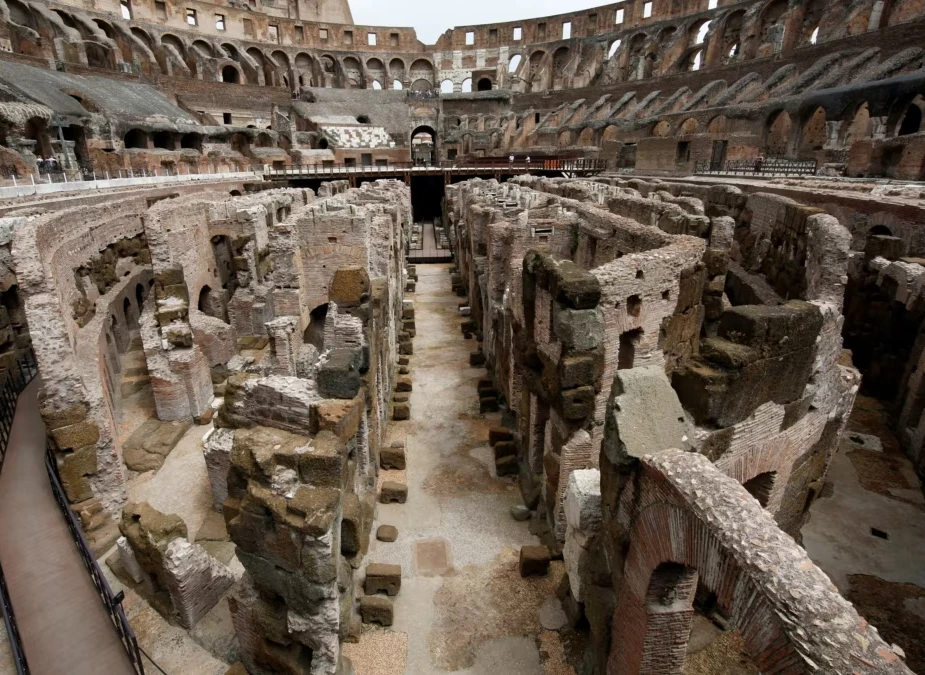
16 378
755 167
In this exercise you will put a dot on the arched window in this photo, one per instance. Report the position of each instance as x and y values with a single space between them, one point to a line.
446 87
396 84
230 74
466 85
614 46
484 84
377 84
702 33
514 63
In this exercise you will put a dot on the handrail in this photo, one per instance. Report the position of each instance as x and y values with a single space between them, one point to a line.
785 165
490 165
15 382
112 602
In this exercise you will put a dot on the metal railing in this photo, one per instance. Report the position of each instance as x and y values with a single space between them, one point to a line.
770 165
111 601
17 377
487 166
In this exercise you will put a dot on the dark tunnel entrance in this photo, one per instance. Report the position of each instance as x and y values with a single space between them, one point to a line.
427 197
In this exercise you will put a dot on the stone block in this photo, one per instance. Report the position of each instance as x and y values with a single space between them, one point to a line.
387 533
76 435
324 462
403 383
577 371
497 434
534 561
488 404
147 448
339 375
644 415
403 397
382 578
477 359
392 492
392 458
577 403
401 411
376 609
403 361
505 449
583 500
506 466
406 347
579 329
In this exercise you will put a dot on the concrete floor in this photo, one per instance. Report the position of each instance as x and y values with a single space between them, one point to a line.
463 607
871 485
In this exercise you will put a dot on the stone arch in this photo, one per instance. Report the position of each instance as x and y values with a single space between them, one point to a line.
661 129
422 69
375 70
586 137
139 33
614 46
772 28
280 58
611 133
397 69
688 127
812 18
778 130
660 556
353 72
560 59
717 125
535 63
446 86
203 48
466 85
107 28
484 84
231 74
565 138
859 126
911 120
514 63
22 15
813 132
731 41
169 39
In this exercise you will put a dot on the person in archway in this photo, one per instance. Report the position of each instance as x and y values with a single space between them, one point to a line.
759 163
510 159
528 161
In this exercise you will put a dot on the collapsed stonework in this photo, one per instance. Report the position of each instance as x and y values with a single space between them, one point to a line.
698 288
694 333
277 319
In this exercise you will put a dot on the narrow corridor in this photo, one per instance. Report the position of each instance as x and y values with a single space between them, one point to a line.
463 606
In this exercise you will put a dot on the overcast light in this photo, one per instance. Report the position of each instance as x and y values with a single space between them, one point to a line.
431 18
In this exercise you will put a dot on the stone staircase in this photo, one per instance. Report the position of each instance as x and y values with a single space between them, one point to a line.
135 375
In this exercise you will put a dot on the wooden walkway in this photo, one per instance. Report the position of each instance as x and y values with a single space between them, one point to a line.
429 251
63 624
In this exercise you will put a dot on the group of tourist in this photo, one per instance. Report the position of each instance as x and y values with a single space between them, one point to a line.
48 165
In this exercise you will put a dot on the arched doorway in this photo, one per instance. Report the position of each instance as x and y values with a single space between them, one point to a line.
424 145
484 84
230 74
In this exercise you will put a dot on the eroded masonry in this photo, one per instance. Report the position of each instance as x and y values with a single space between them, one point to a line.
588 344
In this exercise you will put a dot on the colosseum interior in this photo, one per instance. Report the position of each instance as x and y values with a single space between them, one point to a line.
587 344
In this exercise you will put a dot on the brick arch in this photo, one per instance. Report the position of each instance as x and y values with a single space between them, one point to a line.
320 262
686 513
664 535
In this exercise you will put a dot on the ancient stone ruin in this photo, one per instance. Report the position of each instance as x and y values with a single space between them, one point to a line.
587 344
